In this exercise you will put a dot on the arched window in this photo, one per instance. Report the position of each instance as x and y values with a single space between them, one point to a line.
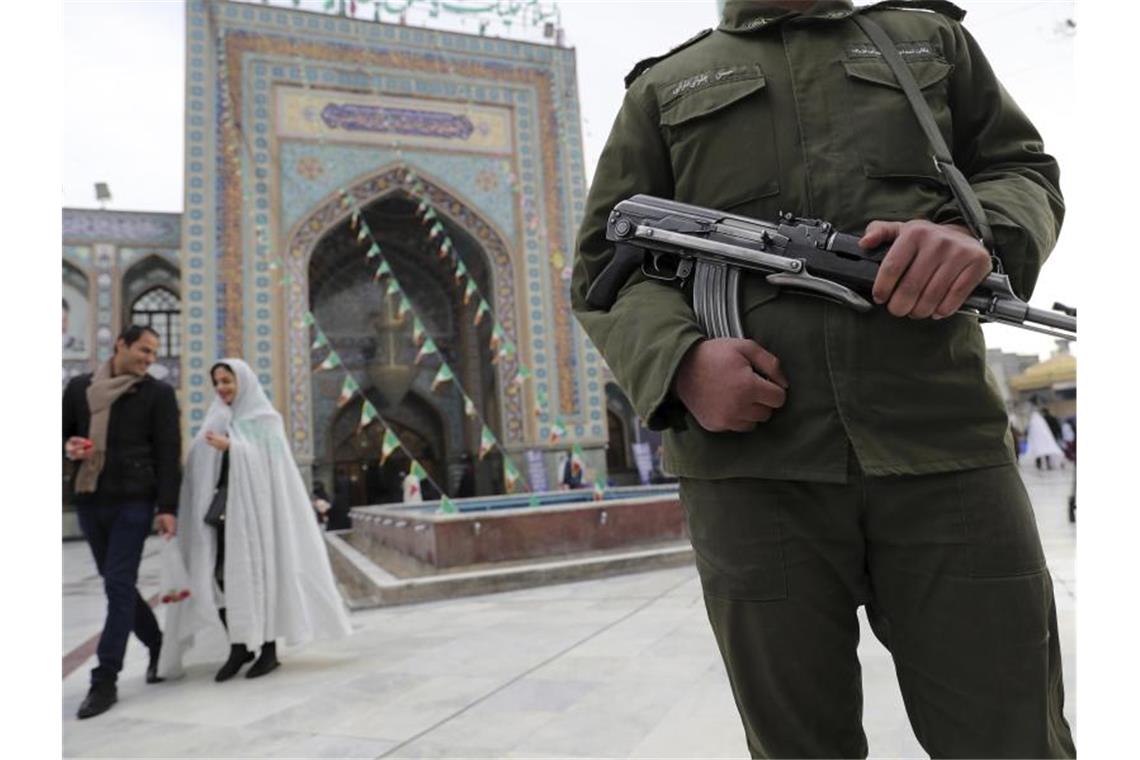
159 308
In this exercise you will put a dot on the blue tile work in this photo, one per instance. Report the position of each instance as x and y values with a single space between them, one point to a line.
341 165
198 218
273 204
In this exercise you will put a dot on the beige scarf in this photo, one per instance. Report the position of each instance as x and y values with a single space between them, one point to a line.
104 390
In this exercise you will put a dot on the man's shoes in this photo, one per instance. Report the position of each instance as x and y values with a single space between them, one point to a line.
239 655
98 700
152 664
267 661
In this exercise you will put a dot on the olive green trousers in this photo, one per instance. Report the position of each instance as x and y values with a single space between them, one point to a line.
951 571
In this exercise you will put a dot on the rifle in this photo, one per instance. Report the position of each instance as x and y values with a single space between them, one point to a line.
673 241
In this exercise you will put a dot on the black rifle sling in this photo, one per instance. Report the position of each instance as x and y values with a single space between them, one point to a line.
959 185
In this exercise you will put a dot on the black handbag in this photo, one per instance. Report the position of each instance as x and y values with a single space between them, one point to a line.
216 514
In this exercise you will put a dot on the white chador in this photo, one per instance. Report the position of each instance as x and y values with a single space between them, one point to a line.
278 581
1039 441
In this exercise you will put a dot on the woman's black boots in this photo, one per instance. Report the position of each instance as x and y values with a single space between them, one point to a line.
239 655
266 662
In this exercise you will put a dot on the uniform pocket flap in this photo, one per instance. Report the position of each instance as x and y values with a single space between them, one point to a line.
708 92
876 71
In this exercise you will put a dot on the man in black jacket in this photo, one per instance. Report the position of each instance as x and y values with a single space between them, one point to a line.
121 426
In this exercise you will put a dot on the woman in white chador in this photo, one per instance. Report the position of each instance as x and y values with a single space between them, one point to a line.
264 573
1040 443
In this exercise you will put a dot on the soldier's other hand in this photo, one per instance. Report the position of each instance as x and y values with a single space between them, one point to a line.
929 270
166 524
718 383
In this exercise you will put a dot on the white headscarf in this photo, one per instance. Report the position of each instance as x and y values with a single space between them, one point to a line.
278 581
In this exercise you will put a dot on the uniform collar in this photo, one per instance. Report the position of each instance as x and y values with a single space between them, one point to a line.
750 15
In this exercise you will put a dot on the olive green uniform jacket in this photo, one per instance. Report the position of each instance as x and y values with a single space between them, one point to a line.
776 111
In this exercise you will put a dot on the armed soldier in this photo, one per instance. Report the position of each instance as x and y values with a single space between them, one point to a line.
836 458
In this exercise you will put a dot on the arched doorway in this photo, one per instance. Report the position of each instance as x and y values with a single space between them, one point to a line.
375 343
150 296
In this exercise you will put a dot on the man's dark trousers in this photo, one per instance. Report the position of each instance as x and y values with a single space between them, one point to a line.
116 533
951 570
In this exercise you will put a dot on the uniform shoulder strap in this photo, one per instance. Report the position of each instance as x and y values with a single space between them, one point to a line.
643 65
964 194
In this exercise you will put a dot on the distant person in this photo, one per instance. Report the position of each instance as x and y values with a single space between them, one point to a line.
73 346
411 486
1069 439
322 505
467 479
338 511
259 569
571 473
1041 447
122 426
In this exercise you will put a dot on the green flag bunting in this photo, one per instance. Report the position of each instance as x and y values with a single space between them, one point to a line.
442 376
486 441
368 414
347 390
332 361
427 348
388 445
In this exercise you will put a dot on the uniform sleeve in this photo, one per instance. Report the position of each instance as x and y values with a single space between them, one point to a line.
1002 155
651 326
167 437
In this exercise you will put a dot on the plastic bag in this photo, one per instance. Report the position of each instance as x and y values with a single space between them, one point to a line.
175 583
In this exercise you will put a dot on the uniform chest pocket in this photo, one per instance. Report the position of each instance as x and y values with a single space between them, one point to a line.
889 137
718 126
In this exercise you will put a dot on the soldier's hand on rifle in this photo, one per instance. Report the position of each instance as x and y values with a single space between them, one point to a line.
929 270
719 385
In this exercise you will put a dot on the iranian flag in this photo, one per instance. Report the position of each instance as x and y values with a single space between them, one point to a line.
577 456
331 362
557 430
510 473
368 415
373 251
446 506
427 348
347 391
364 232
388 445
435 231
355 217
321 341
497 337
382 271
445 248
486 442
470 292
599 488
522 375
418 332
404 306
541 402
469 407
460 272
393 287
483 309
308 319
418 471
443 376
